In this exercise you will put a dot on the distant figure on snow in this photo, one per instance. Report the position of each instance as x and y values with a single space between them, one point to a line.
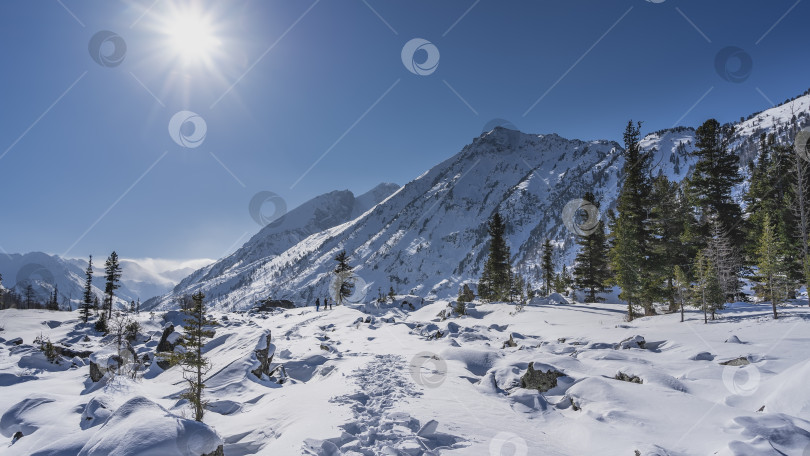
317 304
330 305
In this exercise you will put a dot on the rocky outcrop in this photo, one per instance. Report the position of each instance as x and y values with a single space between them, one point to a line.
628 378
539 380
97 371
165 345
264 354
510 342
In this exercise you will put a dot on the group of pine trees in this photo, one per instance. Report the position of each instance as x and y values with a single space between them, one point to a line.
684 243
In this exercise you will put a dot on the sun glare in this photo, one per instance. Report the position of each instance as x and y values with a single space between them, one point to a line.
191 37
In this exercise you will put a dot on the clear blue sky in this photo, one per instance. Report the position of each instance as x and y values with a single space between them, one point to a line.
88 164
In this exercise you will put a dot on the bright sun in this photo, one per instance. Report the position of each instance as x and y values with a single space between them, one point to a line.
192 37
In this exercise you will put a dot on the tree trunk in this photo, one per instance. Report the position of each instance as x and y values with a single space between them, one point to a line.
681 310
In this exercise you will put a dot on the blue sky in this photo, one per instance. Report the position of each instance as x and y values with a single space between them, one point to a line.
88 164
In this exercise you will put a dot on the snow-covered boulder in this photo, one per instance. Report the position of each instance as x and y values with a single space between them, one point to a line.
141 427
25 416
95 412
632 342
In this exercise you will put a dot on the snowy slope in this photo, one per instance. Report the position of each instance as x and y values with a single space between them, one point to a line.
378 383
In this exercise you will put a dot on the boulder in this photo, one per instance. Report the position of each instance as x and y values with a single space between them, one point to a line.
734 340
16 341
165 345
628 378
264 354
141 427
702 356
632 342
539 380
510 342
17 436
741 361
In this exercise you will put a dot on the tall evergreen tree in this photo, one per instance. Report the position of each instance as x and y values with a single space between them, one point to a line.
1 292
591 269
630 227
343 281
801 189
547 265
771 266
495 283
198 330
708 295
112 272
682 286
716 173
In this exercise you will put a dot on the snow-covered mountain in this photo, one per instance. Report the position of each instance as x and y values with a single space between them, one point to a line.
314 216
430 236
44 272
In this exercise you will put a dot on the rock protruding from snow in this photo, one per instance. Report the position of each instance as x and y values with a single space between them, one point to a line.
628 378
632 342
741 361
539 380
165 345
702 356
24 416
734 340
141 427
264 354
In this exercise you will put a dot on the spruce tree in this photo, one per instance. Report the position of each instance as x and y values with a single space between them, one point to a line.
591 269
771 268
707 294
197 332
801 188
494 284
112 272
344 285
716 173
630 227
1 292
547 265
682 286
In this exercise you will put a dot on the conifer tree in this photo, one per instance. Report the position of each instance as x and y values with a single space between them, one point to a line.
682 286
630 227
801 188
716 173
708 295
591 269
495 284
1 292
547 265
771 268
343 282
112 271
197 332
